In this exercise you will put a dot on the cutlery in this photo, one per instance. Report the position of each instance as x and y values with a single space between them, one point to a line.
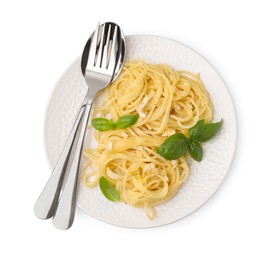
102 59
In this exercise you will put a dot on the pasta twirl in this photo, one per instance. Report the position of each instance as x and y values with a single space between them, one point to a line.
167 102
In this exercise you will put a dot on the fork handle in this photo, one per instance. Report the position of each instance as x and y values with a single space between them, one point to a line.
64 215
48 199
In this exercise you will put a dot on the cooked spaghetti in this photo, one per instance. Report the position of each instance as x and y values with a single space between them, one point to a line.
167 102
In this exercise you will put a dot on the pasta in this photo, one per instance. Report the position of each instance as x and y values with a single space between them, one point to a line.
167 102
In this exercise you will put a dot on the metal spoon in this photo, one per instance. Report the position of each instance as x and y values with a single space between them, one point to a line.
102 59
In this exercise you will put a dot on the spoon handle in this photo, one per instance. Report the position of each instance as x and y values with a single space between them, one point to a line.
65 212
48 199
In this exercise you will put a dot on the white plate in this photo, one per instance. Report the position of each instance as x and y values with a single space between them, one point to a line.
205 177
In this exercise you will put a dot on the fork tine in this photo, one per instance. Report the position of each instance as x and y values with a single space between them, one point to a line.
105 58
112 53
93 47
100 51
102 56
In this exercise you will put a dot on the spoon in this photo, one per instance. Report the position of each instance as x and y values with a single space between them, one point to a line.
102 60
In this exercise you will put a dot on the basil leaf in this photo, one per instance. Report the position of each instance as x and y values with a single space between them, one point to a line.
196 151
126 121
210 131
196 132
103 124
109 191
173 147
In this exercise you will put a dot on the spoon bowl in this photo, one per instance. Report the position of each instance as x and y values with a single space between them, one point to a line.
119 50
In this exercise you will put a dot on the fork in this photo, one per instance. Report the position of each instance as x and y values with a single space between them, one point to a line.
102 59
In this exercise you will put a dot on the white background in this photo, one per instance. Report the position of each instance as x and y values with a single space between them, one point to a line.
39 39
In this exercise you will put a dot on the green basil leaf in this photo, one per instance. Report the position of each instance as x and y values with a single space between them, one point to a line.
109 191
126 121
196 151
103 124
196 132
210 131
174 147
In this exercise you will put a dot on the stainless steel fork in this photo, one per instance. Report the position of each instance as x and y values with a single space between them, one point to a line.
102 60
